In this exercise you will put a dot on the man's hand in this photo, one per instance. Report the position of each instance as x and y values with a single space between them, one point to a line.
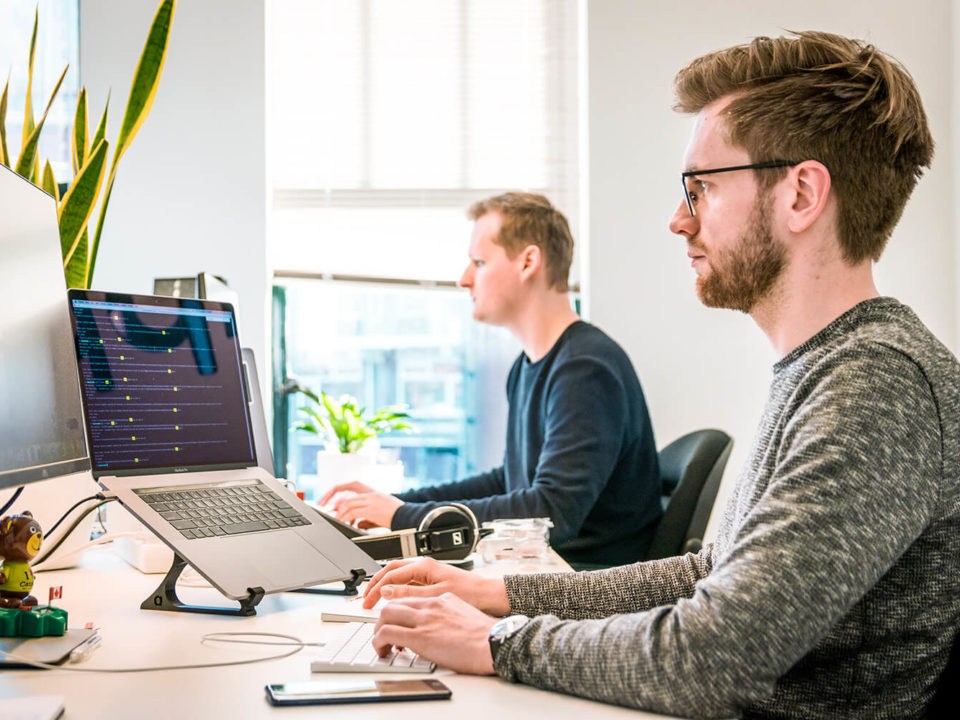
445 630
357 487
373 507
428 578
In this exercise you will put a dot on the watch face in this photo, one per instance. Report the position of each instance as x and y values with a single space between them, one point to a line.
508 627
503 630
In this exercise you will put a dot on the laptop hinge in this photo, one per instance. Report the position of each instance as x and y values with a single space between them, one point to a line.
165 596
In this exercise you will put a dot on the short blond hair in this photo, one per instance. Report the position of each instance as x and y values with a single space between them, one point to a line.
531 219
819 96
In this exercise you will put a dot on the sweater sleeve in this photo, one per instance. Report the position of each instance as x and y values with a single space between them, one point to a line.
418 502
855 481
600 593
585 417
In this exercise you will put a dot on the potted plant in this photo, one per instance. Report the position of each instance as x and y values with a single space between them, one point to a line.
345 426
346 429
75 205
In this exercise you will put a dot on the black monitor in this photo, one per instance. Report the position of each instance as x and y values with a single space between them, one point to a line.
41 422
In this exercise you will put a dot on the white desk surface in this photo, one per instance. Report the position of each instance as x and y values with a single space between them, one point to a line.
108 592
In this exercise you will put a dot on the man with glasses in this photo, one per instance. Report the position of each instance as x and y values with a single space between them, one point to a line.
833 586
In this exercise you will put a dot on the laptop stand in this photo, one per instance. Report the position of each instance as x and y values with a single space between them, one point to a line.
349 586
165 596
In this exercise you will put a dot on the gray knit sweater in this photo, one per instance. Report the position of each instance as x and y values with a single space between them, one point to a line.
833 587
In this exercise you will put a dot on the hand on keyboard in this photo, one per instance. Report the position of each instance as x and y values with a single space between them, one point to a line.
446 629
353 651
428 578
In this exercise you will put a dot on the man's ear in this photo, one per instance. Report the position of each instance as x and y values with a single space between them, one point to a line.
530 261
810 188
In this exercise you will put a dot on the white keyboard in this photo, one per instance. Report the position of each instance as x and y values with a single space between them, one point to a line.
353 651
350 615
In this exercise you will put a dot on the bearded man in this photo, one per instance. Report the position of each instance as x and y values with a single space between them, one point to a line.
833 586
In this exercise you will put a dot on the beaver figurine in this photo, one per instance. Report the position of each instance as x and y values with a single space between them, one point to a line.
20 538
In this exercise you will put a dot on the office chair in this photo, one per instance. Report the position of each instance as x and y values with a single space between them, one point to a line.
690 470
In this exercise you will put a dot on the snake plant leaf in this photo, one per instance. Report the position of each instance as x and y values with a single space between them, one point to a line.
27 163
77 205
79 141
4 154
30 173
76 269
146 79
49 182
101 132
28 107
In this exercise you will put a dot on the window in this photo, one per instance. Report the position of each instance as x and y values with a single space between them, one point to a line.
57 46
387 120
389 344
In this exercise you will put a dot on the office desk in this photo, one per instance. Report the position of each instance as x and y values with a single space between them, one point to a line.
107 592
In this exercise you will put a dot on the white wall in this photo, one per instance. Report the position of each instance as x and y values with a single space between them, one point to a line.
190 193
701 367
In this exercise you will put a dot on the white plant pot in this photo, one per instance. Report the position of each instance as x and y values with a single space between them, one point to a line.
335 468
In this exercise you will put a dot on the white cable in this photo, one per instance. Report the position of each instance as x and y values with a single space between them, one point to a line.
62 556
226 637
190 578
209 637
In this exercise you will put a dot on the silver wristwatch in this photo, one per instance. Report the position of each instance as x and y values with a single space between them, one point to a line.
503 630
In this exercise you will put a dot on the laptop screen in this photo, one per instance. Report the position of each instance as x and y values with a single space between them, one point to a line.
161 383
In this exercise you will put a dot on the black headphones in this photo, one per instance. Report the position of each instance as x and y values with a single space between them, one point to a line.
448 532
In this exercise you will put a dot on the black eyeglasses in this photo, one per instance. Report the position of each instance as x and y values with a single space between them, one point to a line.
754 166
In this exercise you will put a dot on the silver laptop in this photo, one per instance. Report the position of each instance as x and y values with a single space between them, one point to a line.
170 435
262 443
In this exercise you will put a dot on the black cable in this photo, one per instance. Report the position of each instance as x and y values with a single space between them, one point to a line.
48 552
12 500
78 503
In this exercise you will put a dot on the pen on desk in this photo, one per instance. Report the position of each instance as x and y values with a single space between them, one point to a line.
83 650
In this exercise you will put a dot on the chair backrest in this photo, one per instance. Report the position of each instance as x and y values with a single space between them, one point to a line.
690 470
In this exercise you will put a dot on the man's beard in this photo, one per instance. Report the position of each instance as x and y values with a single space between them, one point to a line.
742 276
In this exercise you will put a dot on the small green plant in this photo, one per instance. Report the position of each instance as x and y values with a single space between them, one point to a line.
75 207
346 426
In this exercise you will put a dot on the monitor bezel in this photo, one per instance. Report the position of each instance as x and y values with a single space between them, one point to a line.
18 477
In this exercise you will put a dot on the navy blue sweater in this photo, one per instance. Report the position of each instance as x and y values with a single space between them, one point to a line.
580 450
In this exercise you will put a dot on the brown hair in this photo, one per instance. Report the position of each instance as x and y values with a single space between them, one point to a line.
818 96
530 219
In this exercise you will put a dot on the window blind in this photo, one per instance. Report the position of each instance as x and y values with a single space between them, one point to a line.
389 118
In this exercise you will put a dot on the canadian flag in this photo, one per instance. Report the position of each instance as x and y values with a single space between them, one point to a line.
56 593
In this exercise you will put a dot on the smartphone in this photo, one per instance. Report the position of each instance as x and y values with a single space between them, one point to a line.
330 691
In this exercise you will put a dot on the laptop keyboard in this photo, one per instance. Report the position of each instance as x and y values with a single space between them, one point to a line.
352 651
232 508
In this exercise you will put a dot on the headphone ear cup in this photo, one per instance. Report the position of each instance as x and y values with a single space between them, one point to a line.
453 516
